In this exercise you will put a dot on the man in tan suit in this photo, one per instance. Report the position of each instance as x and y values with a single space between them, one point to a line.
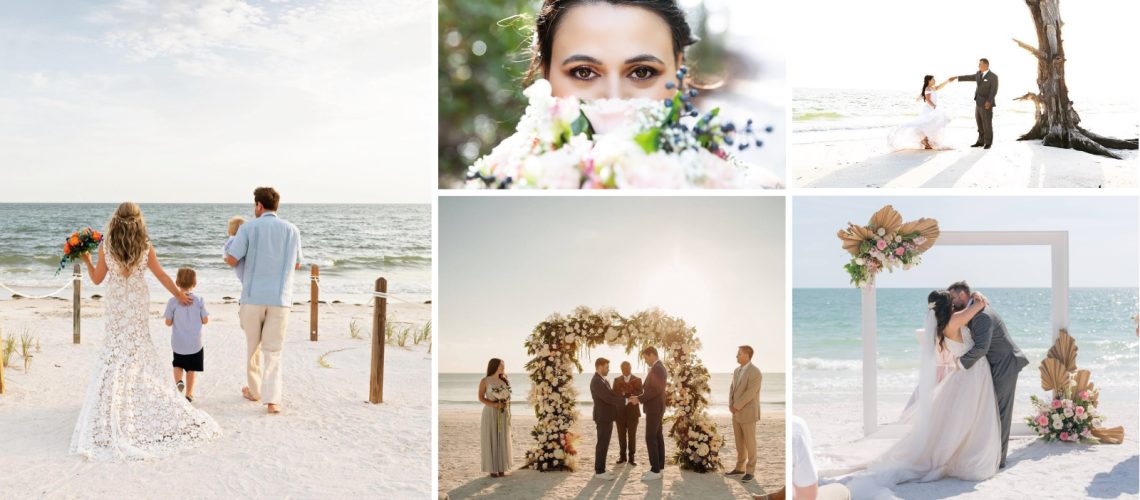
744 403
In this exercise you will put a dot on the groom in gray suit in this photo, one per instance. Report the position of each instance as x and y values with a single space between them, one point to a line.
1006 360
985 98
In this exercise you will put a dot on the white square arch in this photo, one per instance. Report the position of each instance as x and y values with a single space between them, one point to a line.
1058 243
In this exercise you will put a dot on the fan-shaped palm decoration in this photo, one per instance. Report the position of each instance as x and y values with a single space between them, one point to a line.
886 242
1072 414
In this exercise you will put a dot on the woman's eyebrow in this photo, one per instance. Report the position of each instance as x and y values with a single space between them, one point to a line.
644 58
581 58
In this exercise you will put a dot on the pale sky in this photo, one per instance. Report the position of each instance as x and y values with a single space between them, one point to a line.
200 101
891 44
1103 241
506 263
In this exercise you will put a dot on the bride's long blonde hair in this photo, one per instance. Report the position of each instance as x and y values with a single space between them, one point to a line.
127 238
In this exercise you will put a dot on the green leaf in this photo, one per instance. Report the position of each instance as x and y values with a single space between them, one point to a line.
648 140
582 125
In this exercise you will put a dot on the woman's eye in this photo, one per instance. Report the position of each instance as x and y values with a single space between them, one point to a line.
643 73
582 73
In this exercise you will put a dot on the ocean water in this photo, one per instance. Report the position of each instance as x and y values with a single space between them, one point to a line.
827 345
459 390
352 244
827 113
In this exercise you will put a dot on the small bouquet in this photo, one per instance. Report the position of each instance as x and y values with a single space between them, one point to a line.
79 243
501 394
1069 419
567 143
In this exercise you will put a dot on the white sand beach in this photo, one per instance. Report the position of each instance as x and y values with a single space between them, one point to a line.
1034 468
460 477
329 441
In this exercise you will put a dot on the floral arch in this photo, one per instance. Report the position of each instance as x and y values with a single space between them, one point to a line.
556 346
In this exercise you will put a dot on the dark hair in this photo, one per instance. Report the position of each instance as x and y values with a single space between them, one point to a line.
625 364
650 350
943 306
267 197
747 349
186 278
987 61
493 366
925 82
552 11
959 286
601 361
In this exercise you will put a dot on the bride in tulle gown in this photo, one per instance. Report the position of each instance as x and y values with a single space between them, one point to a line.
954 425
131 409
925 131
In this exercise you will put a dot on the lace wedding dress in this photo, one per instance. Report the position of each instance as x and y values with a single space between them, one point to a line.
958 436
929 125
132 409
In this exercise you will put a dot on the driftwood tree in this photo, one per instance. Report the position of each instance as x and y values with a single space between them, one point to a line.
1056 122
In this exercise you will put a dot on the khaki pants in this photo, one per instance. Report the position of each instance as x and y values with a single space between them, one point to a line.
745 446
264 328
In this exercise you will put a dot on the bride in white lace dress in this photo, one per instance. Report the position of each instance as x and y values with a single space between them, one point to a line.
925 131
131 410
955 429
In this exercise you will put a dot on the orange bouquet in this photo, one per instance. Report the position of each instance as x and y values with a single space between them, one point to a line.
79 243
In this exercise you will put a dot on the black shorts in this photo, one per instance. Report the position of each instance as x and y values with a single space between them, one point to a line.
189 362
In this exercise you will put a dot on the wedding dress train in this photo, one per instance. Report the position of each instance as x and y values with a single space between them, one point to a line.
928 125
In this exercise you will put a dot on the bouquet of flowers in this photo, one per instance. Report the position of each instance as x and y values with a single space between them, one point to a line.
1069 418
79 243
886 243
567 143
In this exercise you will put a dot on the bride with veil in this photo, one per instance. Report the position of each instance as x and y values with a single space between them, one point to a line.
954 423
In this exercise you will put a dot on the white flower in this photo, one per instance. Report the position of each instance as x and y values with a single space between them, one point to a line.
881 232
860 261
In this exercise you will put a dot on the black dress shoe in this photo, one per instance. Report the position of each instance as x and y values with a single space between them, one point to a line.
632 463
734 472
977 145
747 478
987 146
622 461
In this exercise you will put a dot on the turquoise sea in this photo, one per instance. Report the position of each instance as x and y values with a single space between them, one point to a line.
827 345
352 244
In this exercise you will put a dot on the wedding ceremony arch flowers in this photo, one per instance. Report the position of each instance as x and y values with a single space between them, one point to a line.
568 143
557 345
886 243
1071 414
77 244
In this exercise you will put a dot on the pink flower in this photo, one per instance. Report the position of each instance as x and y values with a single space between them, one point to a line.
1042 420
900 251
1056 403
1086 433
1064 436
1084 395
1080 410
1068 403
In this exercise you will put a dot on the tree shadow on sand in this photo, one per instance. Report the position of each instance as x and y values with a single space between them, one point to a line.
523 483
875 172
950 175
1121 480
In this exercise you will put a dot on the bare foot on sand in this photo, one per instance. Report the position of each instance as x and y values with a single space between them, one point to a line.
245 393
274 408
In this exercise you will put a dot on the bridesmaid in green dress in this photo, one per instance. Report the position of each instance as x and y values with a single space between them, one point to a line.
495 435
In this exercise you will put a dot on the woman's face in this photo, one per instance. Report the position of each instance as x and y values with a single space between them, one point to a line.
612 51
499 370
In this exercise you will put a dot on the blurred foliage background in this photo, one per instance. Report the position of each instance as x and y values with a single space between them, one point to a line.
484 55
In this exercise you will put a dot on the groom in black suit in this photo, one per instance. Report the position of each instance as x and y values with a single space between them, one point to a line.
652 401
985 96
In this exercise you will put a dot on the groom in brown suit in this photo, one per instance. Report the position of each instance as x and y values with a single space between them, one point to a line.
744 403
627 385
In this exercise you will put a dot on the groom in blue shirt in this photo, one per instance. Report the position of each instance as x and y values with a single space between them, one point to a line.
271 248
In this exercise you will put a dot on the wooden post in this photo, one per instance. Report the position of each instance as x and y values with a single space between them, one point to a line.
379 319
314 300
75 284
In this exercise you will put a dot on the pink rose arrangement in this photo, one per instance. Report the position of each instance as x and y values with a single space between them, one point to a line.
1066 418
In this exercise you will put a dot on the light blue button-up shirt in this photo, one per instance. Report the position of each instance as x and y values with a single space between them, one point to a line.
271 248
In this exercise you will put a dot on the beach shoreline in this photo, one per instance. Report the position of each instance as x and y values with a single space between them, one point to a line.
460 475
